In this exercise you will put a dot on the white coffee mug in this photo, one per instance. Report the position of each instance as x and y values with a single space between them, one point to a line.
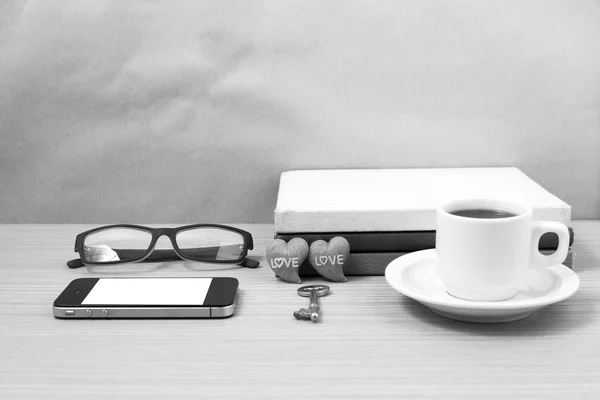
486 259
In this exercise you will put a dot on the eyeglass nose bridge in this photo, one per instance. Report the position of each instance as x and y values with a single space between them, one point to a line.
158 233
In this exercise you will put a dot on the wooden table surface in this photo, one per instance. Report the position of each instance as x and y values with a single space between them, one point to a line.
372 342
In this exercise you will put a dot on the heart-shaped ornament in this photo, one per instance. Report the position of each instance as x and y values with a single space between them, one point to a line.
285 258
328 258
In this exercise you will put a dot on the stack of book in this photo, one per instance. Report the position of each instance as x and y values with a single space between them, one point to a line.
386 213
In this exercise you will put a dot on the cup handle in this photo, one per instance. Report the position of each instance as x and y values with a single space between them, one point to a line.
559 256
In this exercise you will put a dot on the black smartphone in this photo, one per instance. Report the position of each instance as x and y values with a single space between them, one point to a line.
106 298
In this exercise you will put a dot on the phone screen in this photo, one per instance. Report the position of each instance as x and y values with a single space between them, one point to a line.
155 291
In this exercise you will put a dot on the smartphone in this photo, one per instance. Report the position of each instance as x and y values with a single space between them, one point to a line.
106 298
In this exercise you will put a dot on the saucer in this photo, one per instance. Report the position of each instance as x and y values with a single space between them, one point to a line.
414 276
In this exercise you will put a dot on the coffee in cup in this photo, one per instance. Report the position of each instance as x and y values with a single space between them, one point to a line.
483 213
485 247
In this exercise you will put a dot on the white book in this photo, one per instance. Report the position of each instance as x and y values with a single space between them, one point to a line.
372 200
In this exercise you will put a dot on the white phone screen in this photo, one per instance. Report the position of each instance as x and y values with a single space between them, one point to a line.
149 291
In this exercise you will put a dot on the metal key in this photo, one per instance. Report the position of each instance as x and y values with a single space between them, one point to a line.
314 292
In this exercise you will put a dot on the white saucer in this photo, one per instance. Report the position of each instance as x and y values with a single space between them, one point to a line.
414 276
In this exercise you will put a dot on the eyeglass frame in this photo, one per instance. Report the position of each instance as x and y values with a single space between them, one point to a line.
171 233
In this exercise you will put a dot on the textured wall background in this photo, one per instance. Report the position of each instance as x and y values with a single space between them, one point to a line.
160 111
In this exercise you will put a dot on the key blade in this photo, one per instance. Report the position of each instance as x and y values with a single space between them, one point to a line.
302 314
314 306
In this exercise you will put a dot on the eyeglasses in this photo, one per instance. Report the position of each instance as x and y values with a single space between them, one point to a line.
117 244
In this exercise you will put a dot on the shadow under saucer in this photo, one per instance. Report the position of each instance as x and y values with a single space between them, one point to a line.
551 320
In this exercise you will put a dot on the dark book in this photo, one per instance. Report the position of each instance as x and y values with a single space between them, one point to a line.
366 242
374 264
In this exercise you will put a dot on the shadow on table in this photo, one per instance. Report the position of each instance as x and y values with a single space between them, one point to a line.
551 320
160 267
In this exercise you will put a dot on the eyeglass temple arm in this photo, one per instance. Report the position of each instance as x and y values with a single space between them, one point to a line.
76 263
250 263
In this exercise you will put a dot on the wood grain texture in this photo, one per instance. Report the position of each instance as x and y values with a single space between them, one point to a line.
372 342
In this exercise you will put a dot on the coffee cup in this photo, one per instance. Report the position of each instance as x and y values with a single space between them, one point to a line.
485 247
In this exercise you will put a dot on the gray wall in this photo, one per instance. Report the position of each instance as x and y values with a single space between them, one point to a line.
136 111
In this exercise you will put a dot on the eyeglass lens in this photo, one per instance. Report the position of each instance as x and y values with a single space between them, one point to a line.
210 244
116 244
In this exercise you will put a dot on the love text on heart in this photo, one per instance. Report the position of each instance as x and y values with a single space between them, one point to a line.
335 259
282 262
